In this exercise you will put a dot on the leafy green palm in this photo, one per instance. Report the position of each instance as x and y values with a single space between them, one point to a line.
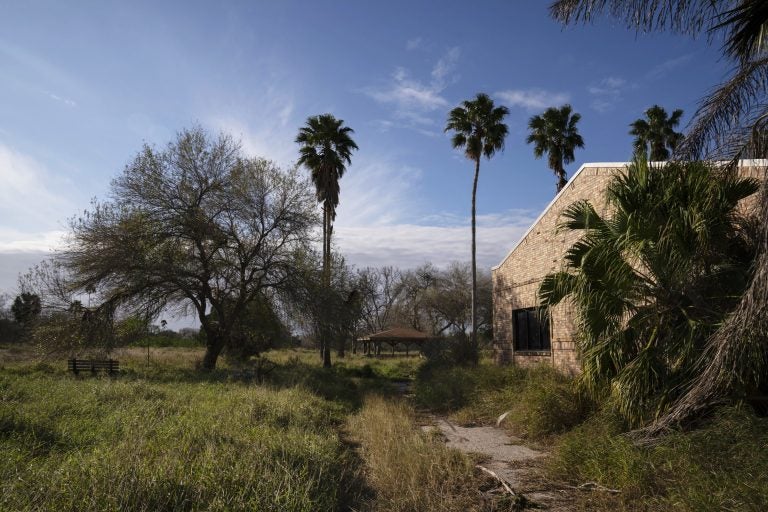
654 279
326 149
554 132
479 129
655 135
732 122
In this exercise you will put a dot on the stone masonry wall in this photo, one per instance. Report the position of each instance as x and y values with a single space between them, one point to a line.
516 280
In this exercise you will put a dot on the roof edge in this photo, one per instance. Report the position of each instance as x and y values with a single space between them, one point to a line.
753 162
611 165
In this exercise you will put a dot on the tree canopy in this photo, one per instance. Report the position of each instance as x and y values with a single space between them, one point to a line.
197 226
655 136
555 133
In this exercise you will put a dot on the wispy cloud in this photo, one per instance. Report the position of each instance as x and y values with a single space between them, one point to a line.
35 198
407 245
663 69
68 102
266 127
413 101
406 93
606 93
532 99
445 66
413 44
378 191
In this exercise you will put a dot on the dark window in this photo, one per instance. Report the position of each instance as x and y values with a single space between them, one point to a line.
531 329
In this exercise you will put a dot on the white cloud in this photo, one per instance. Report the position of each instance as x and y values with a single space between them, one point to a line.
414 101
376 191
68 102
273 142
606 93
15 241
413 44
407 245
533 99
445 65
661 70
32 200
406 93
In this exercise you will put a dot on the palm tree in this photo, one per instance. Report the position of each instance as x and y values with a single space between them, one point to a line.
326 150
479 129
732 122
653 280
554 132
657 133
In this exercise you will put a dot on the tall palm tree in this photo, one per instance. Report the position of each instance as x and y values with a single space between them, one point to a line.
656 133
554 132
479 129
326 149
731 122
653 280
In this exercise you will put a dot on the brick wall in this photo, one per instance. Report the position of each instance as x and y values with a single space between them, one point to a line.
516 280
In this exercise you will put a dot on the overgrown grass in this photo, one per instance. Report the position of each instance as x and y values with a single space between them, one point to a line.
104 444
407 469
540 402
721 466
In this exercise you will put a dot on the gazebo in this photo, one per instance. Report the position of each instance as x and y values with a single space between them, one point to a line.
393 337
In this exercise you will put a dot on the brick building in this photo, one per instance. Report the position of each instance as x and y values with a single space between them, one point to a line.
521 336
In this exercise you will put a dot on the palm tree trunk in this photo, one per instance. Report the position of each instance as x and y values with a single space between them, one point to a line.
325 343
562 179
473 339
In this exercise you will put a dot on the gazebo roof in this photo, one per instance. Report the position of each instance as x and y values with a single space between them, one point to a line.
398 334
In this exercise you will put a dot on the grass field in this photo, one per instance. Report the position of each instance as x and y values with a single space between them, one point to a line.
163 436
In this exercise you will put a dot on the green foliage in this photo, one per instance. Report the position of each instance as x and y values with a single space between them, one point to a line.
653 280
655 136
720 466
26 308
554 132
196 225
539 402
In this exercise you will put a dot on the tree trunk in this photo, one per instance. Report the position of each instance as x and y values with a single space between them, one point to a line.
322 281
562 178
325 342
213 348
473 339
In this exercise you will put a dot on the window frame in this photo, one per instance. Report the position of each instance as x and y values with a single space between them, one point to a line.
544 343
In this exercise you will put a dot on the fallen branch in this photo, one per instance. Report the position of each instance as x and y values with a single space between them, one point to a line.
593 486
497 477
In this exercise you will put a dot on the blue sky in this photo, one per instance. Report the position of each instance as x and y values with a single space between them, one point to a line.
84 84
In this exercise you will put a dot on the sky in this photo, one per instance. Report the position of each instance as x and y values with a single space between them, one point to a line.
83 85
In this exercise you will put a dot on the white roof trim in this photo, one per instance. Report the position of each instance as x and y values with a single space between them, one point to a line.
609 165
604 165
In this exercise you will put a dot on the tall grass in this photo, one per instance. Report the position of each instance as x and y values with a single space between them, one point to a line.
721 466
132 444
407 469
540 401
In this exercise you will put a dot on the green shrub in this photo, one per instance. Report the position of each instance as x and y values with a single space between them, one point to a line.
721 466
540 401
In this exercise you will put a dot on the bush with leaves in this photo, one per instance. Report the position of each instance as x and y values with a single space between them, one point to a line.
654 279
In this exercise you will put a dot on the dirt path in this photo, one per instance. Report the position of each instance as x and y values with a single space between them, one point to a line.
508 457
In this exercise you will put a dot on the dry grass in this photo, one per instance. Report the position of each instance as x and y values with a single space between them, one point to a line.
410 470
